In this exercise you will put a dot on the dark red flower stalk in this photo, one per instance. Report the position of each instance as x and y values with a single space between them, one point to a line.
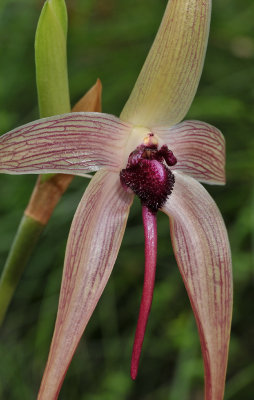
150 230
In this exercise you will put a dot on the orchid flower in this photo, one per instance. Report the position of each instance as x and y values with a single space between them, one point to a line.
147 152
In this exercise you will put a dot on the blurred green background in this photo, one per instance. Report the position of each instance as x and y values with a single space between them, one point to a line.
110 39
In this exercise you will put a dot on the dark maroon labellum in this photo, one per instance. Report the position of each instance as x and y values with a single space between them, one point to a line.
148 176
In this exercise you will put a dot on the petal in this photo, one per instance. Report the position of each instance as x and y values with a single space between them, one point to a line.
202 252
199 149
169 78
70 143
95 237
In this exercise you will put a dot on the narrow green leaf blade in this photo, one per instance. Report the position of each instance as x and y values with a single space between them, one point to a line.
51 60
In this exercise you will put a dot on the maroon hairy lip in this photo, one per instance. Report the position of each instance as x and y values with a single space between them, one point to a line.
147 175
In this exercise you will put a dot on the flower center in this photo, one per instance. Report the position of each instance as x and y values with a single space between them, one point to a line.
147 175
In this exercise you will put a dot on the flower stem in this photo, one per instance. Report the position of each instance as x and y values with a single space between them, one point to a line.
26 237
150 231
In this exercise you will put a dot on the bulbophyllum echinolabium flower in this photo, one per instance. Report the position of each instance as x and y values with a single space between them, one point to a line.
147 152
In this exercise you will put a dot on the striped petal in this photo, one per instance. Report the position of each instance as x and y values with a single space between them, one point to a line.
199 149
202 251
169 78
70 143
95 237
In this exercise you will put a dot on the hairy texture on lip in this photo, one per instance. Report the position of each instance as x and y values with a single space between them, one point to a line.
147 175
151 181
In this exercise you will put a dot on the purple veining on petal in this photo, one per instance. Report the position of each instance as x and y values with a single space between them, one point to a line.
199 148
150 231
69 143
147 175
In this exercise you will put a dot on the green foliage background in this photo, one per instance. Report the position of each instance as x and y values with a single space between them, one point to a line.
110 39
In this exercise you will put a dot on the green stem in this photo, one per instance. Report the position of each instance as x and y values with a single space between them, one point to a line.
26 237
53 98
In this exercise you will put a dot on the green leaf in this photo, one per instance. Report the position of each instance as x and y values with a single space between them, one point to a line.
50 59
59 8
